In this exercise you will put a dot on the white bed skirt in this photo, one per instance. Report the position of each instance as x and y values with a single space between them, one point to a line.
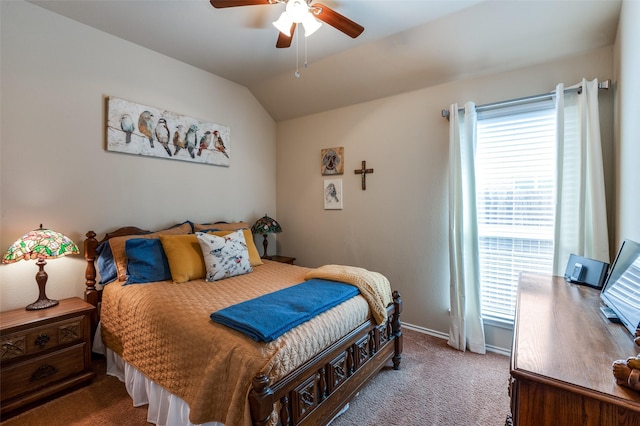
165 409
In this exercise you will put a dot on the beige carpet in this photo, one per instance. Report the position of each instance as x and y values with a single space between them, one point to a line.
436 385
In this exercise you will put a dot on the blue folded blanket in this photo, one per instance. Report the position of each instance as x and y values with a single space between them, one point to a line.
267 317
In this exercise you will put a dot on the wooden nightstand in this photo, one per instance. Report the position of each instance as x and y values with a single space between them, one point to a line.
282 259
43 352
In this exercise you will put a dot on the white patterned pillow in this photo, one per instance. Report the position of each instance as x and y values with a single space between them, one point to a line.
225 256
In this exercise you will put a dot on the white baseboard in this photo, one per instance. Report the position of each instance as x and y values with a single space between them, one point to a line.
424 330
445 336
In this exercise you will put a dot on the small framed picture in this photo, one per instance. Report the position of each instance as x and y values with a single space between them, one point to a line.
332 162
333 194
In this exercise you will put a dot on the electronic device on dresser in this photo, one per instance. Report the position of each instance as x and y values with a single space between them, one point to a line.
621 291
585 271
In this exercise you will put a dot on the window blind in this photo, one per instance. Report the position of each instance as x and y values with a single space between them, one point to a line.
515 181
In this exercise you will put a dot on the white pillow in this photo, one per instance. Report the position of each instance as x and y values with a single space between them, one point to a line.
225 256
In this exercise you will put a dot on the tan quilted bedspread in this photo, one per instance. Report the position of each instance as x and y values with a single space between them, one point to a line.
164 330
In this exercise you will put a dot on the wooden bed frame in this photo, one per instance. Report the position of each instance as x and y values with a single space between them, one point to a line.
314 393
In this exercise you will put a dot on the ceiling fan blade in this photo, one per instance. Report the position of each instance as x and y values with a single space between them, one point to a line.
219 4
337 20
283 40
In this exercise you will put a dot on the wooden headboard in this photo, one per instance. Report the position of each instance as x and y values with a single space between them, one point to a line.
92 294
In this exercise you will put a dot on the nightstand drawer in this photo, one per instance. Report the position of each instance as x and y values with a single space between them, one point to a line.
29 375
42 338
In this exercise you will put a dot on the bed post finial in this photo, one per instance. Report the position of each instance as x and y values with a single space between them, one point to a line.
261 400
91 294
90 246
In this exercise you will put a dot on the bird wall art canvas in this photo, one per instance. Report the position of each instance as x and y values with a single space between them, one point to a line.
143 130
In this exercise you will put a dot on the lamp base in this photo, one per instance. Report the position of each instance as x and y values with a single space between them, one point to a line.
41 304
264 246
43 301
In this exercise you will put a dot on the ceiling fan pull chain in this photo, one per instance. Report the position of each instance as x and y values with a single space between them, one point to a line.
297 73
305 53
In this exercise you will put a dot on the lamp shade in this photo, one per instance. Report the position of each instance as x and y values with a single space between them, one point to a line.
310 24
266 225
40 244
283 24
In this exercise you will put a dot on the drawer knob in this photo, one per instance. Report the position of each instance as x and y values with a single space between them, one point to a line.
43 372
42 340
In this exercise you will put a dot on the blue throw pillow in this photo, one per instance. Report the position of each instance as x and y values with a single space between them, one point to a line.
106 264
146 261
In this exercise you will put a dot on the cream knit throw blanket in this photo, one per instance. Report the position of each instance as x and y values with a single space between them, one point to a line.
373 286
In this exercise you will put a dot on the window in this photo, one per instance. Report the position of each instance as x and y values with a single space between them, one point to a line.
515 181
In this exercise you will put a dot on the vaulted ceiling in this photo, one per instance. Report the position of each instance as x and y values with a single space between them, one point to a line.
406 44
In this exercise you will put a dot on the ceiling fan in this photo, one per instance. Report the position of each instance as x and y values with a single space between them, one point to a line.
299 12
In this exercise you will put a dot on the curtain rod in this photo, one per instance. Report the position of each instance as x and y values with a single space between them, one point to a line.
601 85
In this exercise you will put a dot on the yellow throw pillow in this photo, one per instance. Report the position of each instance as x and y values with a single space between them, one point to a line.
185 257
254 256
118 246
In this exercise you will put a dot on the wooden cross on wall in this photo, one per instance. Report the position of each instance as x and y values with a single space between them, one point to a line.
363 172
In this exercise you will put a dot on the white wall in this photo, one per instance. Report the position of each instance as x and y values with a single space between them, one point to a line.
398 226
55 75
628 126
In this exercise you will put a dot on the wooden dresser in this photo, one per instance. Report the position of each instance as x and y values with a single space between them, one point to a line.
43 352
563 348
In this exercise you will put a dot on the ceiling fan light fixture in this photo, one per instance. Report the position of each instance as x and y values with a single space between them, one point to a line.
283 24
298 10
310 24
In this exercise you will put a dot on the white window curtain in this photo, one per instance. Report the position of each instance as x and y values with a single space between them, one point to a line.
580 225
581 215
466 329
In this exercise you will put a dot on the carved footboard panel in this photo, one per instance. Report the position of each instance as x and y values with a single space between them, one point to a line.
318 390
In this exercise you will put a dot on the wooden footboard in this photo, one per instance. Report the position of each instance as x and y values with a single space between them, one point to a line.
317 391
314 393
